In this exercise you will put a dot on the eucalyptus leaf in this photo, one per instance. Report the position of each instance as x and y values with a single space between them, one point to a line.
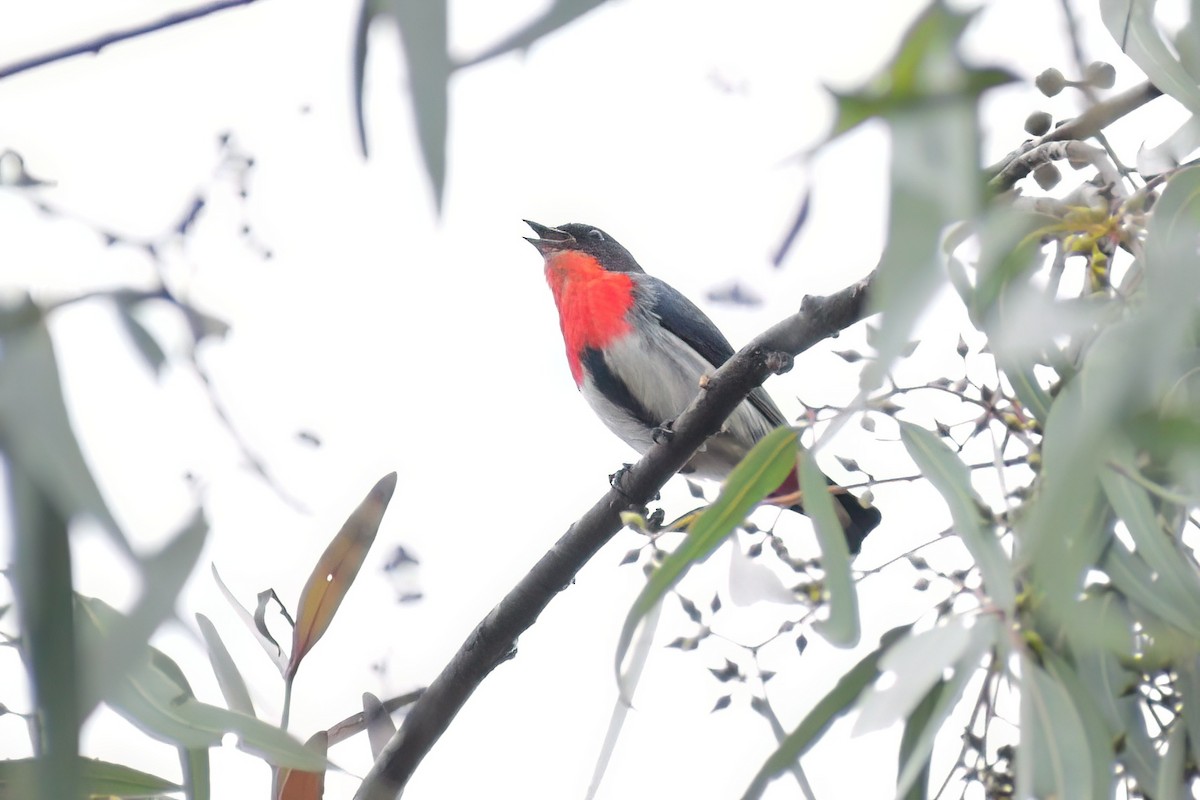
760 472
841 627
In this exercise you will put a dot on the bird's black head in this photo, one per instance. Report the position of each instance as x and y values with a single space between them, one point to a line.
577 237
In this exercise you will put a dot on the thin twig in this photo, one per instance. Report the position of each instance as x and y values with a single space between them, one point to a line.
94 46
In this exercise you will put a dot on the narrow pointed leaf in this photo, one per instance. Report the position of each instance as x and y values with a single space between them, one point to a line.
147 346
229 678
983 636
380 728
760 472
424 32
35 430
197 773
560 13
1132 25
1177 580
950 477
164 575
835 703
155 696
336 570
41 580
18 779
268 644
841 627
1055 759
915 727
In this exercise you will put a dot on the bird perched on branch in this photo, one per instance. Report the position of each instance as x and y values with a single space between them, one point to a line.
638 350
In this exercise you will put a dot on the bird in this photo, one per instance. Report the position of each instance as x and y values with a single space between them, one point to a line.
639 350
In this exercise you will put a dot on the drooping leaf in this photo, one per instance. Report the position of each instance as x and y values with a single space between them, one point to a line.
147 346
1096 734
916 662
762 471
163 576
229 677
197 774
558 15
1174 576
1132 25
950 477
336 570
265 640
924 75
424 38
380 728
835 703
42 583
19 779
156 697
629 679
1055 760
35 430
918 741
918 722
841 627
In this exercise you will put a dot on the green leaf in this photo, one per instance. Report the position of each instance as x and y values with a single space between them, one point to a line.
914 761
1055 760
929 99
1099 743
196 772
42 584
1174 576
1134 578
1188 687
1132 25
841 627
380 727
163 577
951 478
229 678
424 38
35 430
848 689
155 696
1109 685
19 779
147 346
759 473
915 729
925 75
268 644
1171 785
560 14
1163 327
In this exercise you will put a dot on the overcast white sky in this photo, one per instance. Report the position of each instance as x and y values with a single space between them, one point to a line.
431 347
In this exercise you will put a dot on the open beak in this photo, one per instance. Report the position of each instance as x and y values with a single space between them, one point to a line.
549 239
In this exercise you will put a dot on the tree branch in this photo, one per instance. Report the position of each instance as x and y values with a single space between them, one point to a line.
100 42
1009 170
494 639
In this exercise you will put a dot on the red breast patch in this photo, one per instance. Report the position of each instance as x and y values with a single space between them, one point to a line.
592 304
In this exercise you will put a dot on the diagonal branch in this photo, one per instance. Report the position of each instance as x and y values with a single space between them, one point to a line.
494 639
100 42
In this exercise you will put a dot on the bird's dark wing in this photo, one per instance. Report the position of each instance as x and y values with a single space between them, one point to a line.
681 317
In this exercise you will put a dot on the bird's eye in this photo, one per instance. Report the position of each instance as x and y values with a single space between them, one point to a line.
597 235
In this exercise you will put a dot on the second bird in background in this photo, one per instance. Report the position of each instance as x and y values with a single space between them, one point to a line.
638 350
